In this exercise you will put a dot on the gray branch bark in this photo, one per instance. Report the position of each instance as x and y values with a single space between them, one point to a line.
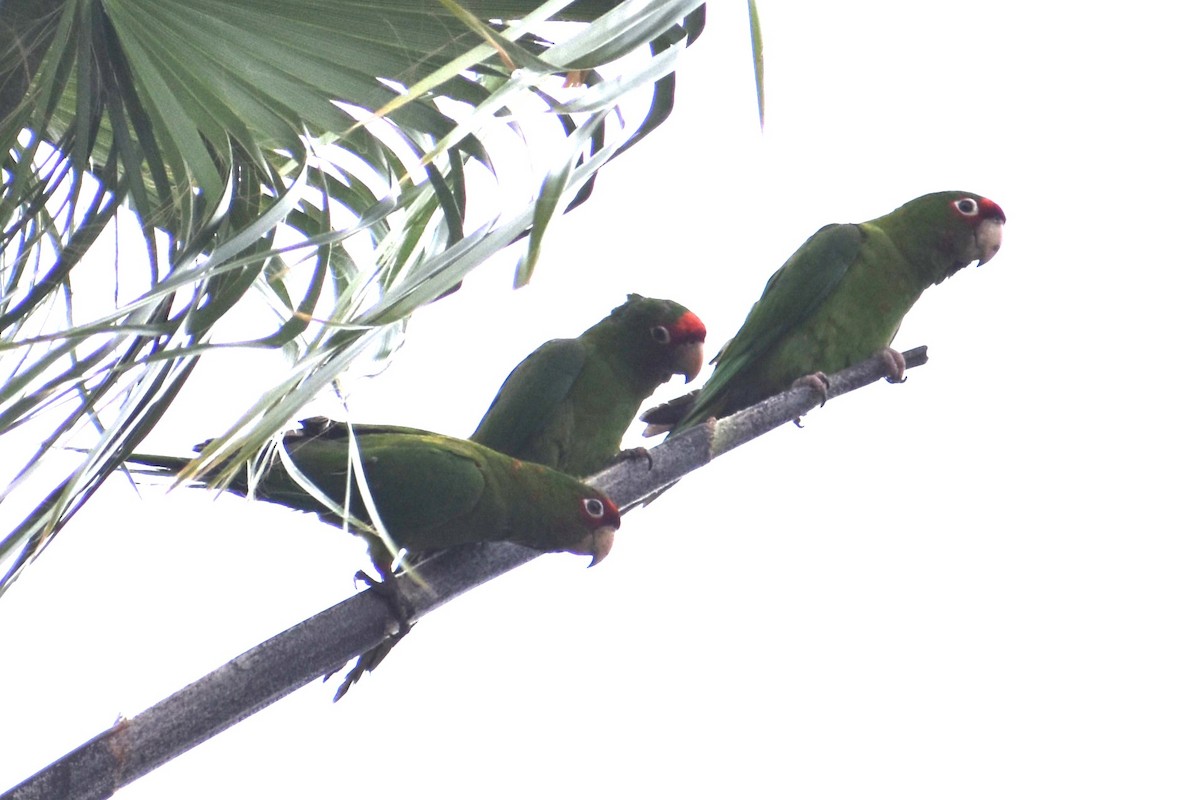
326 642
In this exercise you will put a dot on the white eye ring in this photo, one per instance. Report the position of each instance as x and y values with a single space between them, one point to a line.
966 206
593 508
660 334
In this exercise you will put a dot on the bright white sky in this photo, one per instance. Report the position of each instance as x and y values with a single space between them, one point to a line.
979 584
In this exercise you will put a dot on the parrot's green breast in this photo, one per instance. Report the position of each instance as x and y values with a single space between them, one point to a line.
569 402
860 318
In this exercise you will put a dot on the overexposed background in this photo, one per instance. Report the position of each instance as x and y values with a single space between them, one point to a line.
981 583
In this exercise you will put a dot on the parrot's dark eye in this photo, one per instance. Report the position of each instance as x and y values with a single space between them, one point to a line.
966 206
593 508
660 334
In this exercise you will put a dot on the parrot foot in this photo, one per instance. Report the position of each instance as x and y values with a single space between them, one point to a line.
634 454
819 383
389 588
366 662
401 609
894 361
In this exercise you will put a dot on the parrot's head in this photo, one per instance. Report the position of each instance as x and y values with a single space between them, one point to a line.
601 518
685 339
559 512
954 229
661 337
986 220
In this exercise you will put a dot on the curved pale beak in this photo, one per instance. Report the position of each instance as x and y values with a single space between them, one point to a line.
689 360
601 544
987 239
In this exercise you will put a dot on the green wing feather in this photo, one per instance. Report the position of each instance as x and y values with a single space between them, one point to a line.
520 419
791 297
332 430
418 482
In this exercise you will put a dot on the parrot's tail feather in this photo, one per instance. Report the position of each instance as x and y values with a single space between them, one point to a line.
663 418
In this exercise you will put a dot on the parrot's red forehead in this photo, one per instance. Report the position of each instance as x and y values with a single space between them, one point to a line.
611 512
688 328
990 210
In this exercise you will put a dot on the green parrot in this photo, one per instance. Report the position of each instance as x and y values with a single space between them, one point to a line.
839 299
430 492
570 401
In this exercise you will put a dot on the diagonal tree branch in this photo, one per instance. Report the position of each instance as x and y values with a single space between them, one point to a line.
324 643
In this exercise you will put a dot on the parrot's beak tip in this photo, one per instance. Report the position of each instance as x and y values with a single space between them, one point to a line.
691 361
602 544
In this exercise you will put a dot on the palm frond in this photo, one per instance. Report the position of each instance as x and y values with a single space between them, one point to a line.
169 164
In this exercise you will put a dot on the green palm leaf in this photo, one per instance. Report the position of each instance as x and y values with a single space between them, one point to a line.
213 153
